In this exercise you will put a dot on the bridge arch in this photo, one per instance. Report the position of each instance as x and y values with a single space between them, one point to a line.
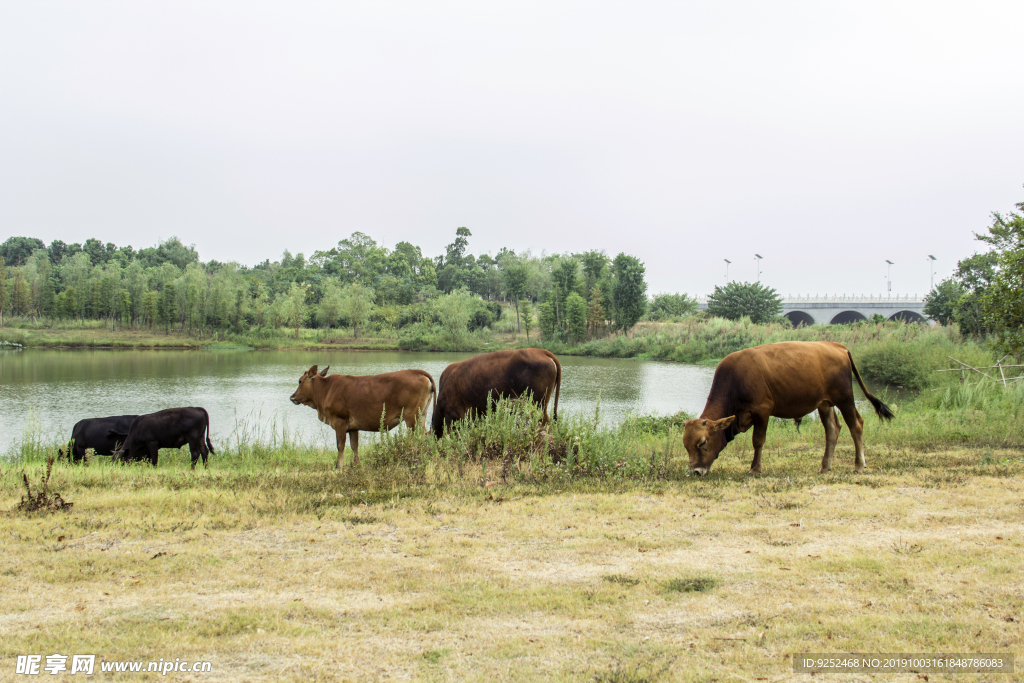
847 317
799 318
907 317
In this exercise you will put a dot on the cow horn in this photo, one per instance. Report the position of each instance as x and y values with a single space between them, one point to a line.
323 373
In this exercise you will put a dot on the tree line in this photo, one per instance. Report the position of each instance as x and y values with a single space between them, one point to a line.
357 283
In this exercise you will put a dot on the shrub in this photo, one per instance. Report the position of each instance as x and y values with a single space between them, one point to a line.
893 362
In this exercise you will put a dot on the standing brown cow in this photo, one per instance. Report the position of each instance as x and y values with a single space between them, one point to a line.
787 380
352 404
468 385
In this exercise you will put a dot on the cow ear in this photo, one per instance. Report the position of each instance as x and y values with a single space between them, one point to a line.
716 425
312 371
323 373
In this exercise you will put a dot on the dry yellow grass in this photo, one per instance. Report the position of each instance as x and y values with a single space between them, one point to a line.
524 582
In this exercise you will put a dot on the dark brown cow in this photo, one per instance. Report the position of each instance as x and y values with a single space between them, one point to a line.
352 404
466 385
787 380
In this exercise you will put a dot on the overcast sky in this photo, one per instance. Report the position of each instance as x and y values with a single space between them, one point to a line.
825 136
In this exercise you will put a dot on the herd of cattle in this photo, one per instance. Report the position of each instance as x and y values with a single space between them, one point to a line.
787 380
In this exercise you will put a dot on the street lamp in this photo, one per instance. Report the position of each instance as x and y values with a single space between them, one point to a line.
758 257
931 277
888 280
727 262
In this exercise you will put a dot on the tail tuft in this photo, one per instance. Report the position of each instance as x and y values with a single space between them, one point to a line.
883 411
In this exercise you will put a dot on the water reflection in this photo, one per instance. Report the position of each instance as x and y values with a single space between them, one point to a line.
58 388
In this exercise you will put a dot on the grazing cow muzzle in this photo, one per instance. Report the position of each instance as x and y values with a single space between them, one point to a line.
699 471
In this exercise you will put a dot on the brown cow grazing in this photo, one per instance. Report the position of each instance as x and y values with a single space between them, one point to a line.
466 386
787 380
352 404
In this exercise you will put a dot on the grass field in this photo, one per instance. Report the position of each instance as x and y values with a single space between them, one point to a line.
428 563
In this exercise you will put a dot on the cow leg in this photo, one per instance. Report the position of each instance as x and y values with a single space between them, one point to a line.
831 424
198 450
354 437
856 424
340 430
154 452
760 425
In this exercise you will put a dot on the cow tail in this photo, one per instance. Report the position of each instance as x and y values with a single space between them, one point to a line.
881 409
208 444
558 385
433 396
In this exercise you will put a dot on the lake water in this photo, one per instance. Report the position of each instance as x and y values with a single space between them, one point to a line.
249 390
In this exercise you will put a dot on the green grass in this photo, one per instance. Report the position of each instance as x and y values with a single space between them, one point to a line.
493 555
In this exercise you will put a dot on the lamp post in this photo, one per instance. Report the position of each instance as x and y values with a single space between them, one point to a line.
758 257
888 280
931 274
727 262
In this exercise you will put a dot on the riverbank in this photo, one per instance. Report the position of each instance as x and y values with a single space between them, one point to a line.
890 352
611 564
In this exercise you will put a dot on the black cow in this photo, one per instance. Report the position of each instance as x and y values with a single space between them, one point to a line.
171 428
102 434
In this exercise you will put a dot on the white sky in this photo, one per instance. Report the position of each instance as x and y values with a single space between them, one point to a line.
825 136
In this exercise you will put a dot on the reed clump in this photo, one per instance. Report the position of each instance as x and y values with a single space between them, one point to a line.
42 500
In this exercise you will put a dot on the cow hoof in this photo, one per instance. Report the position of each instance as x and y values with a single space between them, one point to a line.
825 470
754 471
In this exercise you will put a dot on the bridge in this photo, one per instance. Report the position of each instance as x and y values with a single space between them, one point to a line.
843 308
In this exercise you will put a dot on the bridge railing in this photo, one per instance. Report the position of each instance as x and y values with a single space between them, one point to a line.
844 299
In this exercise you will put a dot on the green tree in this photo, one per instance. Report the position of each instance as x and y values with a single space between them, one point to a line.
168 305
630 292
594 263
331 304
357 304
124 307
291 307
1003 300
596 315
527 312
546 319
453 312
17 250
942 302
21 301
170 251
5 296
150 308
47 297
669 306
515 286
453 270
751 299
69 303
576 315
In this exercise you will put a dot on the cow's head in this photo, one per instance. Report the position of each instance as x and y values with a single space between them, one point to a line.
304 394
704 439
